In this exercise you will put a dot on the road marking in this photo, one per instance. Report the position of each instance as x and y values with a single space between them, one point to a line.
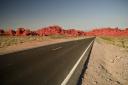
57 48
74 67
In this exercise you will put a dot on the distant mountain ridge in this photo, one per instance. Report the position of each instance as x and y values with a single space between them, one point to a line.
57 30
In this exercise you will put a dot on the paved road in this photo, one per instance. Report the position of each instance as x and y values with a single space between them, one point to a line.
46 65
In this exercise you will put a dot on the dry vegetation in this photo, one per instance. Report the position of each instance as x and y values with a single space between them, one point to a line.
118 41
13 40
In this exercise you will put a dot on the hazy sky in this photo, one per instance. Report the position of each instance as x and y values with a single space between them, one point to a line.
81 14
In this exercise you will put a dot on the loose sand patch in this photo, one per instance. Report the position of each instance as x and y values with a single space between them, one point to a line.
108 65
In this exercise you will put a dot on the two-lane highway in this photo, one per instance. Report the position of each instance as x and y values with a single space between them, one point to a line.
46 65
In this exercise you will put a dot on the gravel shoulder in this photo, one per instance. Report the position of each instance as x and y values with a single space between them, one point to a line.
108 65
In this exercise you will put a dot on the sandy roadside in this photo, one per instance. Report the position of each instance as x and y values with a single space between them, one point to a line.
108 65
32 44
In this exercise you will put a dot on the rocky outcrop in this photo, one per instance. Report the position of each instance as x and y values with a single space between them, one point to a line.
57 30
108 32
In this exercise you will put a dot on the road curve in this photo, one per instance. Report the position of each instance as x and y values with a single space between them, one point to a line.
46 65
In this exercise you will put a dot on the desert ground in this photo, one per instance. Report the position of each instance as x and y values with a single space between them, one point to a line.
9 44
108 64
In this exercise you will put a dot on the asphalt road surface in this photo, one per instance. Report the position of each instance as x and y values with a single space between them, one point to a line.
46 65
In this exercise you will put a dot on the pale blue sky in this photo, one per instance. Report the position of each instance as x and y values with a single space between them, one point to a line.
78 14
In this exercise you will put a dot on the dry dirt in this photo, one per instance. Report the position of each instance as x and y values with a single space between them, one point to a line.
108 65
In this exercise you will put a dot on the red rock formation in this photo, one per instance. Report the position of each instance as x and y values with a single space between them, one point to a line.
55 30
74 33
1 32
11 32
108 32
51 30
26 32
20 31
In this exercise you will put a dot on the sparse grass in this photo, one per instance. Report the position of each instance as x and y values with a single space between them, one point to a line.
118 41
12 40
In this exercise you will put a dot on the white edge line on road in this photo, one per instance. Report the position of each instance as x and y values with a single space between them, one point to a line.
57 48
74 67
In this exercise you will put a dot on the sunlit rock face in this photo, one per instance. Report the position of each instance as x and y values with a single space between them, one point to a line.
57 30
51 30
108 32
